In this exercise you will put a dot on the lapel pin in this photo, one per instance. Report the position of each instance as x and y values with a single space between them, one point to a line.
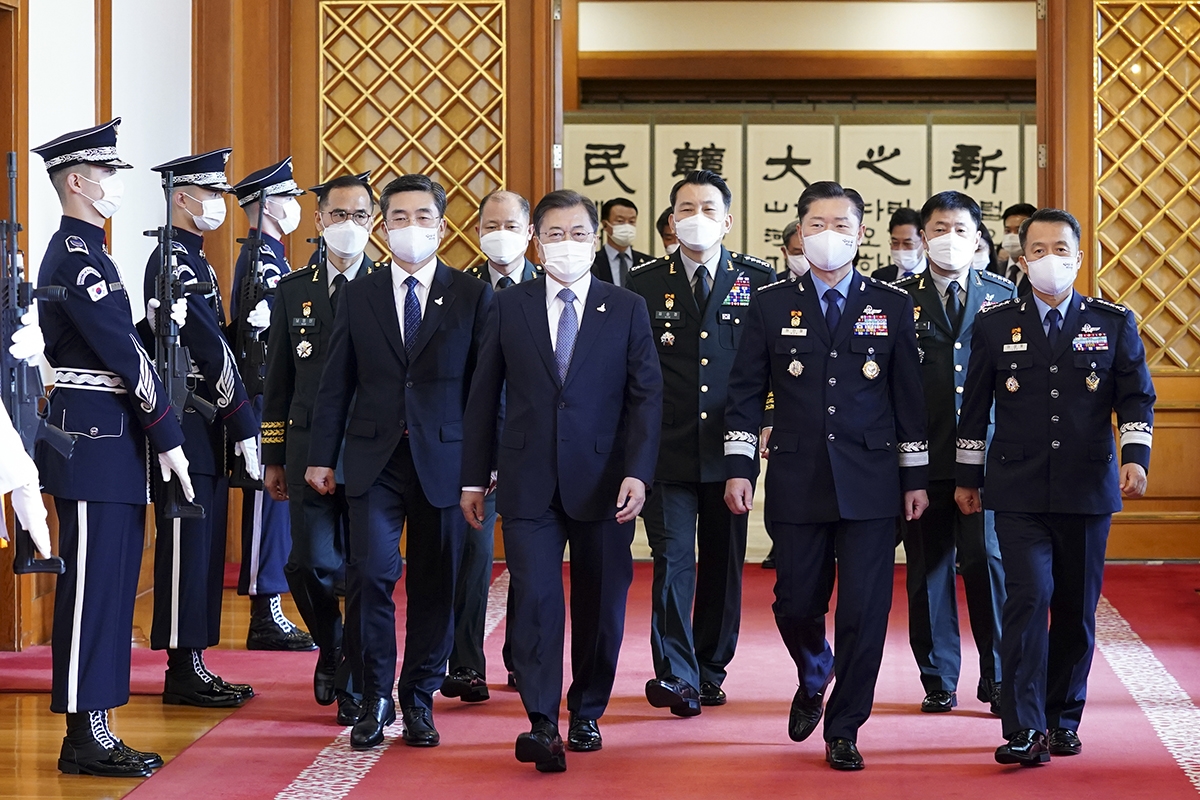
601 308
438 300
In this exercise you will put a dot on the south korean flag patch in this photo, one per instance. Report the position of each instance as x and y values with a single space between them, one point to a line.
98 291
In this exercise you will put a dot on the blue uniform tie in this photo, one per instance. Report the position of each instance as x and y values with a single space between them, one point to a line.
833 314
1054 319
568 329
412 314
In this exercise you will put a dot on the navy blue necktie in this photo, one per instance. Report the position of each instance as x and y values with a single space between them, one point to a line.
504 282
412 314
833 314
568 329
1054 318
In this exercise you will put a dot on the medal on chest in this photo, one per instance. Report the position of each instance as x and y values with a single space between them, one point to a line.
304 349
795 368
1092 382
1011 384
667 338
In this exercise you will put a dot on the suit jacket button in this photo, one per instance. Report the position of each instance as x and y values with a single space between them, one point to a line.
833 353
833 381
1054 419
704 388
703 334
1054 393
1054 369
703 415
831 437
562 405
958 345
958 367
408 384
1055 444
958 389
832 409
704 362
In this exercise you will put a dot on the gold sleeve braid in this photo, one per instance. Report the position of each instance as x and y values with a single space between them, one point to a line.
273 432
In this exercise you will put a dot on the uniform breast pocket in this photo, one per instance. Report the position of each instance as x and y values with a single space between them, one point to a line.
793 345
1094 359
668 325
870 345
1015 361
306 342
729 326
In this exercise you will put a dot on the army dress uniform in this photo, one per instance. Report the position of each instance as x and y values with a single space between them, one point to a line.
1050 474
943 536
697 329
842 453
189 555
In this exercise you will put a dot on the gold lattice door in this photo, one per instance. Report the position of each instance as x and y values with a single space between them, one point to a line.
1148 171
417 87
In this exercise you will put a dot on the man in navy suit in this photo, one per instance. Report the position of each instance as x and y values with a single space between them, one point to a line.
617 257
403 350
577 451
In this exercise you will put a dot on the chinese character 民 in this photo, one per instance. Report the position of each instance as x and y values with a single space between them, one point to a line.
970 163
789 163
603 158
875 158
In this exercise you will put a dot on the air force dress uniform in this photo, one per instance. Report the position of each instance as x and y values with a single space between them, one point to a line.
943 536
696 333
1052 480
842 454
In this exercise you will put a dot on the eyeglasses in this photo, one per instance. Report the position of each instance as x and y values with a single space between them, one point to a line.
558 235
421 220
359 217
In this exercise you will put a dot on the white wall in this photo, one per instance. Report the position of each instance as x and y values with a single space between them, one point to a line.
708 25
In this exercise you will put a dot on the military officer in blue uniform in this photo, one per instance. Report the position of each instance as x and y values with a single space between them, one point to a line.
109 398
697 300
848 455
1056 365
266 529
504 233
946 298
306 303
189 554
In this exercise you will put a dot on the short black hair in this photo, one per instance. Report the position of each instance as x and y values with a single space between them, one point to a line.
616 202
1019 210
499 193
904 216
416 182
564 198
986 236
790 230
1054 215
951 201
664 220
828 190
704 177
343 182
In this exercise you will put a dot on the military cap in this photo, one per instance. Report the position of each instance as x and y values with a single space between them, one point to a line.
273 180
96 145
206 169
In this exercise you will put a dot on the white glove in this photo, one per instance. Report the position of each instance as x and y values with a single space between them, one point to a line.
178 311
248 450
175 461
27 340
260 317
27 502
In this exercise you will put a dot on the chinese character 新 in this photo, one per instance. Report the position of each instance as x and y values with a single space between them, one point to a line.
971 166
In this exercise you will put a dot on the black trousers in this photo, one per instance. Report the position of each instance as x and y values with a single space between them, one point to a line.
471 593
696 603
435 542
861 554
932 544
601 572
1053 570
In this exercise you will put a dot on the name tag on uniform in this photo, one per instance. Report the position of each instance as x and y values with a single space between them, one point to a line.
666 315
305 322
1016 348
923 325
793 331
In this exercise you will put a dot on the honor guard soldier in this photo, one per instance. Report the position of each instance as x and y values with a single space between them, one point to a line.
504 233
268 197
109 398
848 454
697 300
1056 365
946 298
189 554
306 303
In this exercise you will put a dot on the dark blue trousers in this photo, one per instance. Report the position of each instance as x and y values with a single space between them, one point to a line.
861 555
601 572
471 594
101 544
1053 570
434 548
266 539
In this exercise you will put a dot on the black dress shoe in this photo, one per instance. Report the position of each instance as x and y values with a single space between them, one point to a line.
711 694
939 701
806 712
418 728
325 676
244 690
189 689
349 710
92 759
673 693
151 760
512 680
1063 742
271 630
1027 748
989 692
769 561
842 754
543 748
377 714
584 735
467 684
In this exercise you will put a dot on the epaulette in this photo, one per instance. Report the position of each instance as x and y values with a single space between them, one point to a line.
654 262
885 285
475 271
1015 301
783 282
752 261
296 273
1116 308
1000 279
904 282
178 247
76 244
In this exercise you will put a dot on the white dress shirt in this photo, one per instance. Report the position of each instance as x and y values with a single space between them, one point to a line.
555 306
518 272
690 267
424 277
350 272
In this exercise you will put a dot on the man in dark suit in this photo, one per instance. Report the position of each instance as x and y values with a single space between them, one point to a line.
698 299
402 354
946 300
908 250
617 257
848 454
1056 365
301 332
1010 245
577 451
504 232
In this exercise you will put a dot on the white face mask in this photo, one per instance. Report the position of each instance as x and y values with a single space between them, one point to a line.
952 252
212 213
504 247
671 248
112 189
699 232
1052 274
797 264
909 260
982 259
1012 243
290 208
569 260
830 250
346 239
414 244
623 235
